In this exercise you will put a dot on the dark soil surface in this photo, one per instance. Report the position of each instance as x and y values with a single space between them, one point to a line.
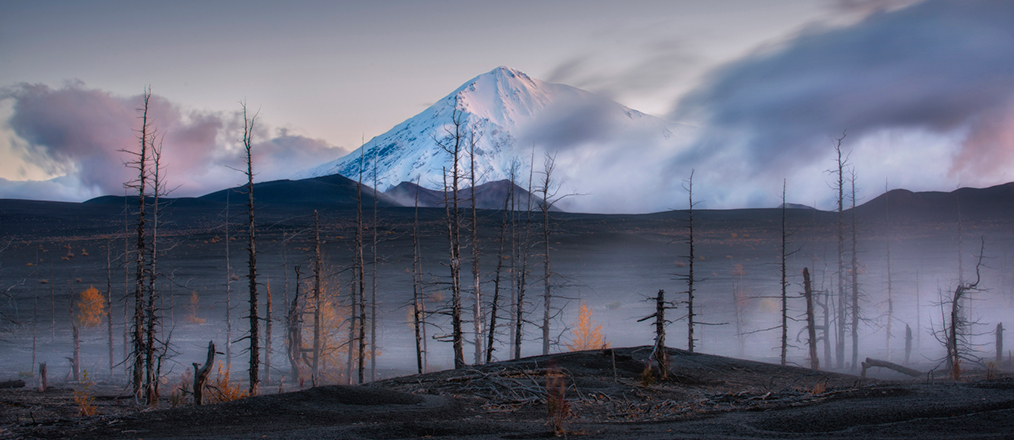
702 397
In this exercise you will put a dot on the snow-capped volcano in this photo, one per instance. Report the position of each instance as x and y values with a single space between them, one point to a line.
511 114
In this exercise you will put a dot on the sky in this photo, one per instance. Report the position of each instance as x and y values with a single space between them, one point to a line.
923 90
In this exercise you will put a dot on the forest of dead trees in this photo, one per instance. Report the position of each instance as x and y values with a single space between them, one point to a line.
496 288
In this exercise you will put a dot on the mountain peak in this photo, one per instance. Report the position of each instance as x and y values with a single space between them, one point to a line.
502 106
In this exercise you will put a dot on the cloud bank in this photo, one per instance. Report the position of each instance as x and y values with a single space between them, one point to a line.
79 134
925 93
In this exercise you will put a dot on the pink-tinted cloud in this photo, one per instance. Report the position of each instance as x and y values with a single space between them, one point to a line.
81 134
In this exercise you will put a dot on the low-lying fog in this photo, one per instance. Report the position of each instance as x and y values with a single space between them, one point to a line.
612 263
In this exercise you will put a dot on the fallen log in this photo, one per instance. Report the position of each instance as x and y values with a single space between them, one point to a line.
870 363
18 383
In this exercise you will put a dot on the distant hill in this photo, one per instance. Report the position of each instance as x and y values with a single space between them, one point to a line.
334 191
972 201
490 195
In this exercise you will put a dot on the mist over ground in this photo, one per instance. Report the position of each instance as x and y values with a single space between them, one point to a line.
614 263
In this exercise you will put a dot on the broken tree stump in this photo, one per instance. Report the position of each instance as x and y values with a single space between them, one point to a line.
908 343
201 373
870 363
43 381
999 344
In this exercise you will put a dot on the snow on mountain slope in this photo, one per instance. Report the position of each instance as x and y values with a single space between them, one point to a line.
515 116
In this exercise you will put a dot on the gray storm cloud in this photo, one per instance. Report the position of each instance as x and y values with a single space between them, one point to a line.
939 67
80 134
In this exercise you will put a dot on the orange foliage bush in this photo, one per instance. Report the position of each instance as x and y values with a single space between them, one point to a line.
91 308
586 334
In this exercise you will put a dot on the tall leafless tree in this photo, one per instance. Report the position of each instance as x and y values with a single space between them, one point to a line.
497 278
248 128
785 283
139 163
418 301
228 287
360 277
546 205
855 279
689 277
453 144
316 296
477 317
839 173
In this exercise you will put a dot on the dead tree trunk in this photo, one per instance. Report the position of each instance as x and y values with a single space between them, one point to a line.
43 379
294 336
908 343
267 332
453 146
228 289
361 276
477 320
373 278
316 297
855 280
495 304
201 374
839 343
546 204
999 345
811 328
890 293
248 127
870 363
957 331
141 185
690 264
76 360
418 302
658 352
785 285
523 248
109 309
151 318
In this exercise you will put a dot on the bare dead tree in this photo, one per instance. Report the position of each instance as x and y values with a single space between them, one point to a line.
522 251
109 309
689 277
316 295
228 287
811 327
477 320
958 330
546 204
890 287
267 331
855 278
999 345
294 336
658 351
840 187
785 283
453 144
418 302
152 322
248 128
373 277
76 360
502 239
908 343
360 275
139 163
